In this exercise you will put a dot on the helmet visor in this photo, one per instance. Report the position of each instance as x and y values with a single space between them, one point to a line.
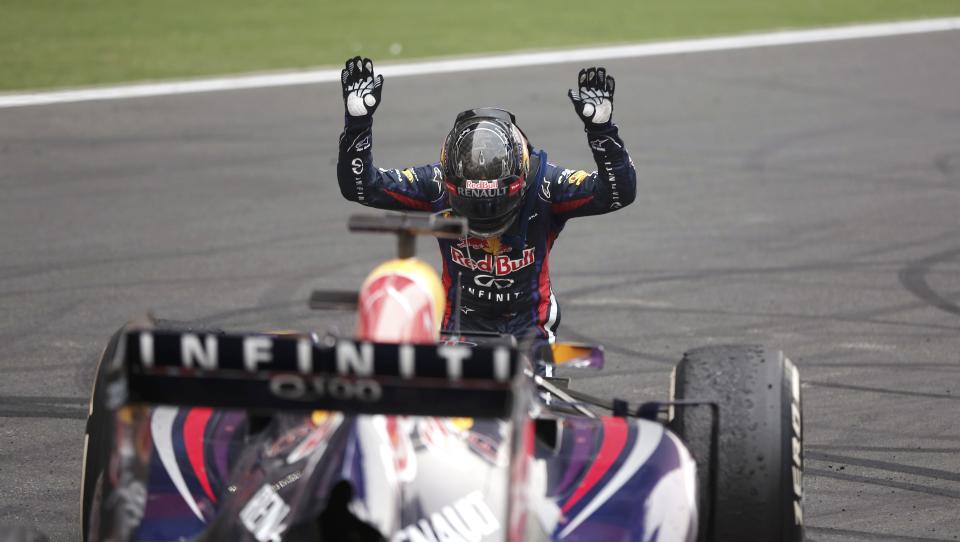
487 204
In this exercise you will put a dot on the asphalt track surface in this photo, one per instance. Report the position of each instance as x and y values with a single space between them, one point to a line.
803 197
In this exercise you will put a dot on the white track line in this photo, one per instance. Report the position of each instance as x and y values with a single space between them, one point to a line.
489 62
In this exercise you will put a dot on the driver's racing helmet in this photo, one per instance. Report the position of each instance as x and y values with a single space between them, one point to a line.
486 161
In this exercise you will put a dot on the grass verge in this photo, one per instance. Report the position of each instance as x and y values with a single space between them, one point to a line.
57 43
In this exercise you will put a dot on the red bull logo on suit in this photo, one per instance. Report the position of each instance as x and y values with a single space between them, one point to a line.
500 265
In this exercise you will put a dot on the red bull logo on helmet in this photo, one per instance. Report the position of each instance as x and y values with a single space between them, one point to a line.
500 265
482 185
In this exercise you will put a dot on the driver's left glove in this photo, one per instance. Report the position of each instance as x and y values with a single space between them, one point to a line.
361 90
593 98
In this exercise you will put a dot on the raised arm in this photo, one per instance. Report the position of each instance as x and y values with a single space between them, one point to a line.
417 188
614 183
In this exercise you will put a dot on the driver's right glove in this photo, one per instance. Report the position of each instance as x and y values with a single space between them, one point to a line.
361 89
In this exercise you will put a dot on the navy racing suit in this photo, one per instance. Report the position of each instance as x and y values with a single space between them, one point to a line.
505 280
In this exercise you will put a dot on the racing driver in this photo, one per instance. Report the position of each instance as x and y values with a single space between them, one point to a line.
516 201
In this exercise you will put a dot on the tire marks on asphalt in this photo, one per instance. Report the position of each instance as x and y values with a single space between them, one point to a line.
866 535
913 277
936 474
28 406
906 393
948 165
888 366
864 317
907 486
885 449
180 253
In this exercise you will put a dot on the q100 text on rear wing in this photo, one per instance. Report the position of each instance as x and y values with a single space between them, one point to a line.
257 371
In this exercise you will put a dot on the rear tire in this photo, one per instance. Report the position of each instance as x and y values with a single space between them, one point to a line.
758 494
97 440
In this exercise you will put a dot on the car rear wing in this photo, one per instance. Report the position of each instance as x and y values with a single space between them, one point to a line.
408 225
267 372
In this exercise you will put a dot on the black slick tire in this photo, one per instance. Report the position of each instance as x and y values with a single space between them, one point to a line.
758 491
97 440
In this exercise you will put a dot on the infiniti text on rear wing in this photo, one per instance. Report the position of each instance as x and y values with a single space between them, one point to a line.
280 372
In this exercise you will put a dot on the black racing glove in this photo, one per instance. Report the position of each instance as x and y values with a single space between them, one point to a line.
361 90
593 98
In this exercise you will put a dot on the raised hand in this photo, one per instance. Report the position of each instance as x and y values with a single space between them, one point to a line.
361 90
593 97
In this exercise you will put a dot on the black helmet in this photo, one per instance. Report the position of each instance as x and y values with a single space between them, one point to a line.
485 162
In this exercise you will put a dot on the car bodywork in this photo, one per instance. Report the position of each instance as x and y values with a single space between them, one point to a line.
476 457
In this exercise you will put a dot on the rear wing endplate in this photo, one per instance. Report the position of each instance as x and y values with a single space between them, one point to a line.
257 371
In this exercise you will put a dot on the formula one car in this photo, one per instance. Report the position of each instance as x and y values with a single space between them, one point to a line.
403 433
